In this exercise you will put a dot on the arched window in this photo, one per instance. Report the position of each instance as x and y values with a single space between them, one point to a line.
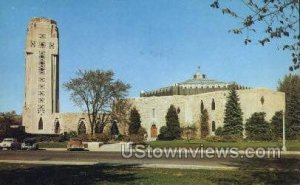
178 110
41 124
153 131
114 130
262 100
213 126
213 105
81 128
56 127
99 127
202 107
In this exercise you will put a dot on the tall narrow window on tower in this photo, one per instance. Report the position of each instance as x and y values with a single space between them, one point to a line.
41 124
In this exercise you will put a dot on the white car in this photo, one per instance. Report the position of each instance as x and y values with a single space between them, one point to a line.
10 143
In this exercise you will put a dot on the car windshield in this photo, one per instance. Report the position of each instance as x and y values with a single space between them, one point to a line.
30 140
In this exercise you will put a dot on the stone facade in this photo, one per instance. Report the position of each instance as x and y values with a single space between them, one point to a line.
42 75
154 109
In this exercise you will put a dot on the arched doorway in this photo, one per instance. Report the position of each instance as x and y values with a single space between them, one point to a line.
41 124
114 130
153 131
56 127
81 128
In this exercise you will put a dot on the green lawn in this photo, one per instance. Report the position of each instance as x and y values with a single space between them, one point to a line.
23 174
293 145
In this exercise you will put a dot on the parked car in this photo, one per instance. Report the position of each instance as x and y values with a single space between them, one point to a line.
30 144
75 144
10 144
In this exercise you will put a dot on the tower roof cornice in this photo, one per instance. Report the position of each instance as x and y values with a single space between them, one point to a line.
42 19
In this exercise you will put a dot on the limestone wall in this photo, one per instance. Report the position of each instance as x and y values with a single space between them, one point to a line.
42 71
70 122
153 109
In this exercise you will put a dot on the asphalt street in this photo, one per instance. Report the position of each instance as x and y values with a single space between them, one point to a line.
285 162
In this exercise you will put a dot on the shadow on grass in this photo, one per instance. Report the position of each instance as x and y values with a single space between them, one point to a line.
265 171
67 174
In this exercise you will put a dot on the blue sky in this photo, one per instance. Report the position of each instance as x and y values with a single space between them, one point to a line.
148 44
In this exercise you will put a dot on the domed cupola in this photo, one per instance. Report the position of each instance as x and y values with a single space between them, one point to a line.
198 75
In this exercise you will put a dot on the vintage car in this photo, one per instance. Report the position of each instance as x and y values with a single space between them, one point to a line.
30 144
10 144
75 144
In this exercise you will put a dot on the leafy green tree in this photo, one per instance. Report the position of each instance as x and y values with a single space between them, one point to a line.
172 129
142 131
164 133
219 131
6 120
268 20
94 91
290 85
135 121
204 124
276 125
233 120
163 130
257 128
172 122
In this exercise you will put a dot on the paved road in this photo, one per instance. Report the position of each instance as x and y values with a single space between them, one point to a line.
44 156
107 157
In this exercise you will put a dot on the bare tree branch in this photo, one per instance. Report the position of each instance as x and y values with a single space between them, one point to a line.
95 92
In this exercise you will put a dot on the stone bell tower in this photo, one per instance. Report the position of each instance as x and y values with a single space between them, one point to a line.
41 76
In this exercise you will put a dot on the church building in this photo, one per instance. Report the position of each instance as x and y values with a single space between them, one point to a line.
192 96
41 106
